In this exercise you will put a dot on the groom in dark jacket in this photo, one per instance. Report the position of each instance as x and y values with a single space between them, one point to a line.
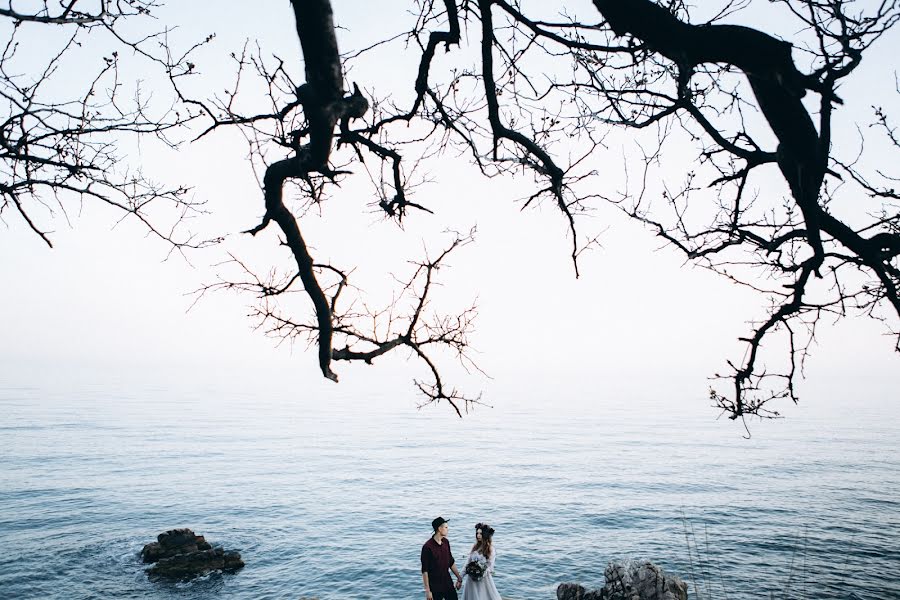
436 561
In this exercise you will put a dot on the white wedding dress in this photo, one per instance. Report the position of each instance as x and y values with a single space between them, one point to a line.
484 588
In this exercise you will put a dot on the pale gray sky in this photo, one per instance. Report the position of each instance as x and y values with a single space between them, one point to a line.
638 320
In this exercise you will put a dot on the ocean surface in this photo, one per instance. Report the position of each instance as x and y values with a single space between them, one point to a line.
332 500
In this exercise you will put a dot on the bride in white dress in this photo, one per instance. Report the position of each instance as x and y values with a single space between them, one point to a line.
482 551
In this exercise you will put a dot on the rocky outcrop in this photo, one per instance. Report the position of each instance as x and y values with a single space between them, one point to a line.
574 591
180 553
641 580
197 563
630 580
172 542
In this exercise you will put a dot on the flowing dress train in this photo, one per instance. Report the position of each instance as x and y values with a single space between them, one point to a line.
484 588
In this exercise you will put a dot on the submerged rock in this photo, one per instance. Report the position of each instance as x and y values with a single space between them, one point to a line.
180 553
629 580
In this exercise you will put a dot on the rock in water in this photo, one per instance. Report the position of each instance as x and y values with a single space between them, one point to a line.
196 563
641 580
172 542
630 580
180 553
573 591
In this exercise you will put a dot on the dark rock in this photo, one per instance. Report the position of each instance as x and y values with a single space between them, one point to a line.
172 542
630 580
152 552
641 580
195 563
192 563
573 591
569 591
233 561
177 538
180 553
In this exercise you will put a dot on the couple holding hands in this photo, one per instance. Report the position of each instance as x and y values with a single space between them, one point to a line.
438 561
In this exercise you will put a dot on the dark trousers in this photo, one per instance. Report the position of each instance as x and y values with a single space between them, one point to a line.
445 595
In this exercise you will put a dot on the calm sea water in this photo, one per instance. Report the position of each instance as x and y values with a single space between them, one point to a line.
333 499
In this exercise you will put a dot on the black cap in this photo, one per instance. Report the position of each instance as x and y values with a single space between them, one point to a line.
438 522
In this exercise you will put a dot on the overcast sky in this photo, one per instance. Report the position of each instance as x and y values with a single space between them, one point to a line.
638 319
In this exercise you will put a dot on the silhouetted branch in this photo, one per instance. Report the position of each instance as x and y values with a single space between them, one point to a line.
57 151
544 94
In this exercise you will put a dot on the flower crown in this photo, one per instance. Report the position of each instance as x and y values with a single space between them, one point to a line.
486 530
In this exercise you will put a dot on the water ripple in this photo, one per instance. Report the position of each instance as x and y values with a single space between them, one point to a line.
334 502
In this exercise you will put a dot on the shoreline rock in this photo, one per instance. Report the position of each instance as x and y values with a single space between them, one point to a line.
179 553
629 580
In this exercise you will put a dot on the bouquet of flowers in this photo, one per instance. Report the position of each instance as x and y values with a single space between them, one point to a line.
476 567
